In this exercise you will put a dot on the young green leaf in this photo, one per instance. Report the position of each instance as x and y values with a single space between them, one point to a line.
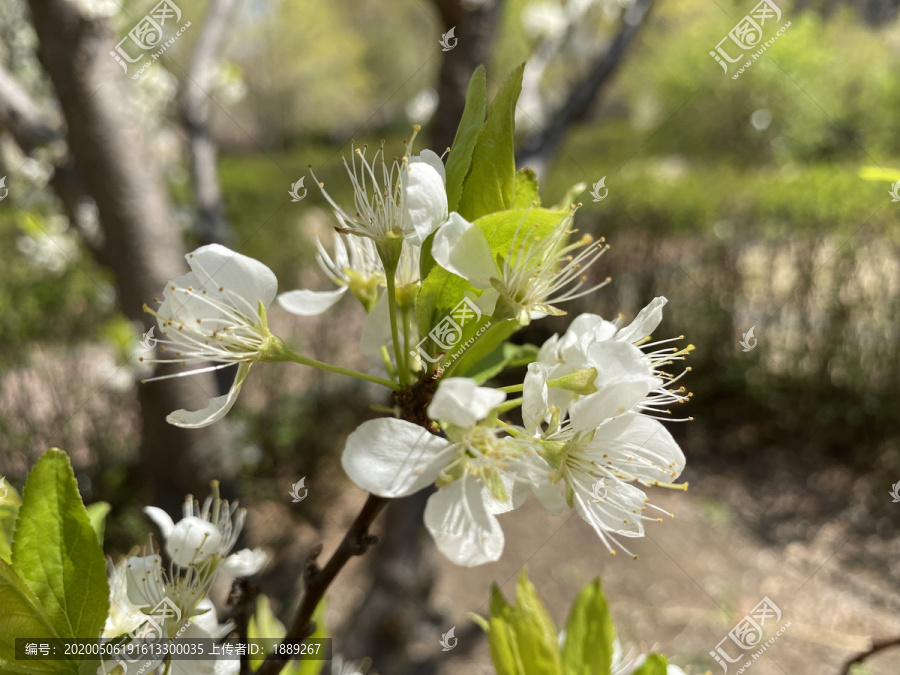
490 184
9 511
56 552
535 632
502 637
590 634
526 190
22 617
263 625
507 355
441 291
655 664
97 513
472 121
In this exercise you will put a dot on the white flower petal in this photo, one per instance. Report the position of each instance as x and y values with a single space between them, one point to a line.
641 446
193 541
644 323
195 419
376 330
244 563
584 331
516 493
535 405
614 360
460 247
143 575
394 458
460 401
462 527
426 200
310 303
162 519
614 399
432 159
217 266
618 511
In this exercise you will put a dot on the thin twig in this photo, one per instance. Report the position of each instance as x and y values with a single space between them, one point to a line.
877 646
243 601
355 542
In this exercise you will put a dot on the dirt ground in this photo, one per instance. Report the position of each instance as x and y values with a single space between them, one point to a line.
696 576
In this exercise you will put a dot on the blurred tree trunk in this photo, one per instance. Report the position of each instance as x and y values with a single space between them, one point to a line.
196 113
140 242
195 107
475 23
541 147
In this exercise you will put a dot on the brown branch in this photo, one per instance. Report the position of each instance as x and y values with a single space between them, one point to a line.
242 599
540 148
355 542
877 646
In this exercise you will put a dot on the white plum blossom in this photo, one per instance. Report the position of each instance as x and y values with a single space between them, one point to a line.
205 533
198 548
475 469
598 435
403 199
355 267
537 272
216 313
361 272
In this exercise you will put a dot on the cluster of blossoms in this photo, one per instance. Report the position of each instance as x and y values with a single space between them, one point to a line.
590 435
589 439
150 600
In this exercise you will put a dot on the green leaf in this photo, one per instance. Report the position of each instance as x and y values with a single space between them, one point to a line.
590 634
504 229
56 552
311 667
535 632
9 511
426 260
505 356
440 292
655 664
97 513
22 617
490 184
264 625
502 637
472 121
526 190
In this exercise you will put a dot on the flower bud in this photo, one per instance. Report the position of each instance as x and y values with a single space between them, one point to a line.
193 541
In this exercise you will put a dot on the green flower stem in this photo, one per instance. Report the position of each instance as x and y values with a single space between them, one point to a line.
395 334
506 406
406 331
513 388
293 356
